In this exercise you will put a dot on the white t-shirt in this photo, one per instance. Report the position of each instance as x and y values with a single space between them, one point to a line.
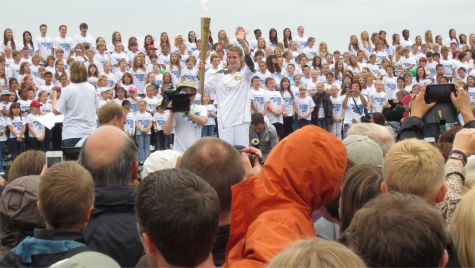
378 98
310 52
65 43
45 107
17 123
336 105
79 104
448 66
301 43
24 106
288 103
390 86
160 119
210 108
3 126
88 39
116 57
190 75
406 62
304 105
471 93
257 96
130 124
99 60
231 93
187 131
44 45
32 120
275 100
352 112
152 103
144 119
139 80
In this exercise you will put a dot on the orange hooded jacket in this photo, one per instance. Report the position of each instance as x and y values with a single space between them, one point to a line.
271 211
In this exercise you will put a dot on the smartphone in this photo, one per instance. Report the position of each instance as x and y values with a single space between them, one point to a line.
439 93
53 157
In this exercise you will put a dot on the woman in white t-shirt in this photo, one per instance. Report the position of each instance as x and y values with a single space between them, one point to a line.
288 100
354 104
79 104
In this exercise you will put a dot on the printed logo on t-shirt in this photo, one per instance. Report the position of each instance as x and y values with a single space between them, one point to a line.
303 107
144 123
336 107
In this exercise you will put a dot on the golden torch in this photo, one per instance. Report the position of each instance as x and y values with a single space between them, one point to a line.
203 50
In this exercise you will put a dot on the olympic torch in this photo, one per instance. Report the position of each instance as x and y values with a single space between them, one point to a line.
203 49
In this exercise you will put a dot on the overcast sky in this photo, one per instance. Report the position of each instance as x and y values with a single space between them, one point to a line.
332 21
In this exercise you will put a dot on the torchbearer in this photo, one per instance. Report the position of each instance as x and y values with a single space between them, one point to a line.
230 88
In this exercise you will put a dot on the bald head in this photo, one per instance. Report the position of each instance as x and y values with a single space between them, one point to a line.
110 156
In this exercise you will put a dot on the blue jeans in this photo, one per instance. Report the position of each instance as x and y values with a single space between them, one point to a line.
143 144
207 131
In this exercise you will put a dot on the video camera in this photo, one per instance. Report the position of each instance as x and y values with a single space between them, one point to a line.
180 99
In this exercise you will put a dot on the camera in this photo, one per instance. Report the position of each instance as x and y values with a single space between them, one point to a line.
180 100
444 110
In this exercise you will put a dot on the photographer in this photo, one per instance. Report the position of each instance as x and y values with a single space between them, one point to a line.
354 105
414 127
264 132
188 123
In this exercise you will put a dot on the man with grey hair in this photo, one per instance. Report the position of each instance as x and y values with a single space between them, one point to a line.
383 136
111 158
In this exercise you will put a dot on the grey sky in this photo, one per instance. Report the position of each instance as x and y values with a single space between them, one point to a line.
332 21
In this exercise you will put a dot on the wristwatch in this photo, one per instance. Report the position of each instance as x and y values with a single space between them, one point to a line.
458 155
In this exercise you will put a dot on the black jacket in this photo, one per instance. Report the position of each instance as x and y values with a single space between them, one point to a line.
44 248
324 100
112 229
395 113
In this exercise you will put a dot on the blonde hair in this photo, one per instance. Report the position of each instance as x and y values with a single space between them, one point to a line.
102 80
415 167
463 231
65 194
316 253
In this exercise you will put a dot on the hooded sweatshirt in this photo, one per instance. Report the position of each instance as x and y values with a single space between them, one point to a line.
274 209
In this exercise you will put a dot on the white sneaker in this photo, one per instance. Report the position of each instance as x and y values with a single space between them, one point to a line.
152 148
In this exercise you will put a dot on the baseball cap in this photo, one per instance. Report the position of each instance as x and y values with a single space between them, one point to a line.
186 84
6 92
35 104
361 150
133 88
151 47
160 160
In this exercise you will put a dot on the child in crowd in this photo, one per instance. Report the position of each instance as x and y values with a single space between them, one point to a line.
36 130
65 202
207 129
143 125
304 107
17 127
159 119
129 126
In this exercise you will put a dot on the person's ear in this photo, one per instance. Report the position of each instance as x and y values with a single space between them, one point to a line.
444 259
441 194
384 187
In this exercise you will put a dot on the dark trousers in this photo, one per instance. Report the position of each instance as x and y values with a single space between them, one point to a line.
303 122
16 147
161 141
70 143
279 127
288 125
